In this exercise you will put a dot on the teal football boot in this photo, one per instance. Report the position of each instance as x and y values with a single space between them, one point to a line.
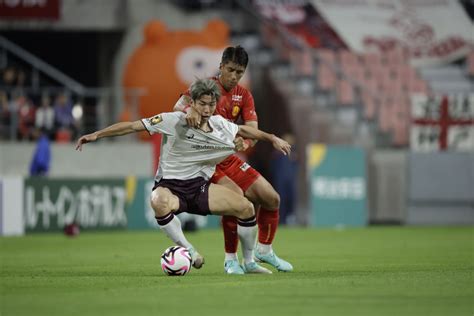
253 267
273 260
233 267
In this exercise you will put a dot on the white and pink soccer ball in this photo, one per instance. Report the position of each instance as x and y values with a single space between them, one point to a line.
176 261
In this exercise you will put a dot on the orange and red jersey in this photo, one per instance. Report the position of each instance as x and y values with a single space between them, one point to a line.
234 104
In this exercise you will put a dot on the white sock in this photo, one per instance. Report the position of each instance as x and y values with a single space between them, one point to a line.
231 256
248 238
264 249
173 230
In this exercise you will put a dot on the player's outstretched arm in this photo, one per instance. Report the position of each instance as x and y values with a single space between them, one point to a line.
117 129
253 133
193 118
183 103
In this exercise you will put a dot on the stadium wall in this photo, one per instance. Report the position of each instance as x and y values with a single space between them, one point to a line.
107 187
441 188
95 161
387 178
11 206
39 204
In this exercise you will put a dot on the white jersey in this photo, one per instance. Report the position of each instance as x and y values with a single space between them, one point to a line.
188 153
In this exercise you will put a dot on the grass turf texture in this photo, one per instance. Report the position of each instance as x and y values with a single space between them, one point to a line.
372 271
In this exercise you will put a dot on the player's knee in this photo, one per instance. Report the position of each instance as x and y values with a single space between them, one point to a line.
246 210
160 204
273 201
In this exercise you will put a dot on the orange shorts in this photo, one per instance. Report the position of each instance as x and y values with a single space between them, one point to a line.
238 171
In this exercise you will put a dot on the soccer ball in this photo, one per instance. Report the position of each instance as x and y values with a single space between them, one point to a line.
176 261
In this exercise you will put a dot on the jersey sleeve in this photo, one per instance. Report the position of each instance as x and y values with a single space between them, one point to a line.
163 123
248 108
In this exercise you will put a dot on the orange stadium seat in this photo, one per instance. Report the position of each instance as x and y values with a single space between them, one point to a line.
373 83
401 121
326 77
356 73
379 78
418 86
327 56
470 63
269 34
345 92
370 105
372 59
283 50
396 56
348 59
401 135
385 114
392 81
63 136
407 75
305 63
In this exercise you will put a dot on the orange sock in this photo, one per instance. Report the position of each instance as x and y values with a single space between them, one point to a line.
231 238
267 221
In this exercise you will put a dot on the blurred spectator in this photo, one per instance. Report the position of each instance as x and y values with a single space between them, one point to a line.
41 159
4 116
284 170
9 76
44 118
20 78
22 115
13 78
63 117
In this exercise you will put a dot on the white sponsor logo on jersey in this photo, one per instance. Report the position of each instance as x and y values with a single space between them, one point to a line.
236 98
244 166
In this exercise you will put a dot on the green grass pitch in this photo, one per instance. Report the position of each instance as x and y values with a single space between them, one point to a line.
368 271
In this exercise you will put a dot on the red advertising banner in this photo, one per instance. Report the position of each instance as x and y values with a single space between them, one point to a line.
30 9
434 32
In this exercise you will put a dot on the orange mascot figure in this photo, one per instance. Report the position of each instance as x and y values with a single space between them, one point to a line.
167 62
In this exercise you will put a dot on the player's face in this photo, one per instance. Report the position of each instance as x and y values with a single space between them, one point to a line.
231 73
205 106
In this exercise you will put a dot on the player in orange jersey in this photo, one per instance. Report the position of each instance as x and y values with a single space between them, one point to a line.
237 102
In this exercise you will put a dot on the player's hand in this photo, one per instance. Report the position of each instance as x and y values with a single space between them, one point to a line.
281 145
193 119
85 139
240 144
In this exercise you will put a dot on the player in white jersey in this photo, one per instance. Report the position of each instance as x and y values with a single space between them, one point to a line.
184 149
187 162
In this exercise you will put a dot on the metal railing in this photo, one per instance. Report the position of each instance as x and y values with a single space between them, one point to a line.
97 104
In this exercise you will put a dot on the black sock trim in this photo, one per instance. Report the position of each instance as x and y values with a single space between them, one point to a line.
163 220
247 222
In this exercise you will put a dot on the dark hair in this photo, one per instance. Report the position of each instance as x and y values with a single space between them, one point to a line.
235 54
202 87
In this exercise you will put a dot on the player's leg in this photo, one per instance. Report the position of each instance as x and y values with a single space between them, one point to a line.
223 201
262 192
259 192
164 203
229 228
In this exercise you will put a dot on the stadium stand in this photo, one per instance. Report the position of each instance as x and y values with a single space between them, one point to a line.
26 80
332 94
